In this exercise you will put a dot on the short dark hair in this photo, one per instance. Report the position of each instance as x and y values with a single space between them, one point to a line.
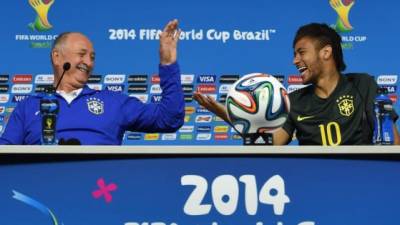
325 35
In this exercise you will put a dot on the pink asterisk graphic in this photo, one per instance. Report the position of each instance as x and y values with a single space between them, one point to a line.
104 190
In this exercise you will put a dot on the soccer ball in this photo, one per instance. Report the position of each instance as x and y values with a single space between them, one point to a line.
257 103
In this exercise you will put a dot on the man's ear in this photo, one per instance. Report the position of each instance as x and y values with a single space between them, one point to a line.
55 57
326 52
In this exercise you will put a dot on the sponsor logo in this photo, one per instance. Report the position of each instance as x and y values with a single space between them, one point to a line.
221 129
18 98
21 88
222 98
137 88
155 79
4 88
134 137
224 88
206 79
142 97
204 129
188 98
115 88
22 78
187 78
44 79
94 79
187 119
42 88
203 119
202 110
221 137
203 137
280 78
345 104
206 88
10 109
156 98
95 105
390 88
218 119
155 89
236 137
4 98
301 118
4 78
114 79
186 136
393 98
387 79
228 79
342 9
189 110
137 79
186 129
41 22
292 88
295 79
2 109
187 88
168 137
151 137
97 87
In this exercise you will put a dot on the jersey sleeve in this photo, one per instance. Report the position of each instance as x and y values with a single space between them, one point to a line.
165 116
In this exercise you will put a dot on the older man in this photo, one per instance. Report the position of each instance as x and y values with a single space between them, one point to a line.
100 117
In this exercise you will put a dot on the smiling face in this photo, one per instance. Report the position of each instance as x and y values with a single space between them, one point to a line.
309 59
77 50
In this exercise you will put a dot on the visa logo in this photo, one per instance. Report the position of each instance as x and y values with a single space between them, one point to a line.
156 98
206 79
115 88
18 98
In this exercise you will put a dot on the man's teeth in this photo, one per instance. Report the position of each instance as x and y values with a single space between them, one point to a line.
302 69
82 68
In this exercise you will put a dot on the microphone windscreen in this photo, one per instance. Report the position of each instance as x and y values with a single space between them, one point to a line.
66 66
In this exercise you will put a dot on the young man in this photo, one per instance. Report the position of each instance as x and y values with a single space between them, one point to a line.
335 109
99 117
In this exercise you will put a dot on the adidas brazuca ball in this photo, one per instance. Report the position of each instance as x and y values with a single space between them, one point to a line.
257 103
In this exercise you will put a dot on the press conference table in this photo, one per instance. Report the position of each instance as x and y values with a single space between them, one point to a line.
203 185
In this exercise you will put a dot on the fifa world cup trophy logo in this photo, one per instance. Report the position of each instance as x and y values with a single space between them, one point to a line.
342 8
42 8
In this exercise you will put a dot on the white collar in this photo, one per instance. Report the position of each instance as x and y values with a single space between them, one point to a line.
69 97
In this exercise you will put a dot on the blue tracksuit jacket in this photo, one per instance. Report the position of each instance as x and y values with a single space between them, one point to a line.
101 117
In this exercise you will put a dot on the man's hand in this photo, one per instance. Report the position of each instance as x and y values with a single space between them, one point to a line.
212 105
168 42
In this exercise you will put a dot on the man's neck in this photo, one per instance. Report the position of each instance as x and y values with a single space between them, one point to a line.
327 83
67 88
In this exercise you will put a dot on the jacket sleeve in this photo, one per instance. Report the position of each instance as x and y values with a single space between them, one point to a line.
165 116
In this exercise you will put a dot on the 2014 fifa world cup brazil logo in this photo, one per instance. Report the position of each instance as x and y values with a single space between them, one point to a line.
342 8
41 7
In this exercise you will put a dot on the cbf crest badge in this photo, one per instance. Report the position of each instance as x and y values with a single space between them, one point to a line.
345 104
95 106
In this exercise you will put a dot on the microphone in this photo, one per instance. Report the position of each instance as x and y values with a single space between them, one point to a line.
72 141
66 67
